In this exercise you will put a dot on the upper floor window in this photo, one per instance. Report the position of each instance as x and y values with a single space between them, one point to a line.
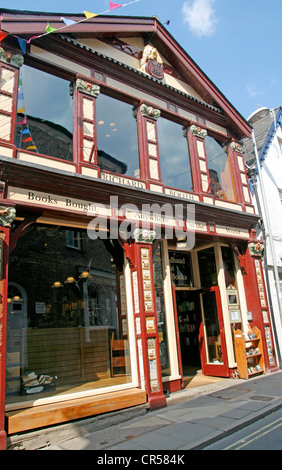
44 114
174 156
117 140
221 179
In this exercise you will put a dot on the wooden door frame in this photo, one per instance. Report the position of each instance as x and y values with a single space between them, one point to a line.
218 370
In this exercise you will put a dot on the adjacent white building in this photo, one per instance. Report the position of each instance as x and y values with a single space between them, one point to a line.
265 150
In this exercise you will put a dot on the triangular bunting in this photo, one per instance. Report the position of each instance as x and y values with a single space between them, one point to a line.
68 22
3 34
90 15
21 123
22 43
114 5
50 29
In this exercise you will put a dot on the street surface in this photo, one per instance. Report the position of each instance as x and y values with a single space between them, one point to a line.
264 434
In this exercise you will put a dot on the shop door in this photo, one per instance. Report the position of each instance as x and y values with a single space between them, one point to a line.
188 320
211 335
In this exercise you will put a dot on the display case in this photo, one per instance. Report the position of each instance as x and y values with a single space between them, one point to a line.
249 353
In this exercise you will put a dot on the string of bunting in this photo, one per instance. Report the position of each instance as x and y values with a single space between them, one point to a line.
26 138
67 22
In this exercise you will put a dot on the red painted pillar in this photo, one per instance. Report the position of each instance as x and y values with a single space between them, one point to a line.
4 255
140 256
256 297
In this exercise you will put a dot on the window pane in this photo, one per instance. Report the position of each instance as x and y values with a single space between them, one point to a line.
117 137
207 267
222 184
45 114
174 156
67 331
181 268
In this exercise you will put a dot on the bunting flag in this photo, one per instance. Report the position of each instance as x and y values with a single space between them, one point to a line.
90 15
26 138
21 123
68 22
3 35
50 29
22 43
114 5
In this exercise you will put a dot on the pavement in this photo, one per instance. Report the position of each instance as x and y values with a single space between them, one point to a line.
194 417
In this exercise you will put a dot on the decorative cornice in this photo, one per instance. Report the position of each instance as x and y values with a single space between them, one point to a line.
87 87
198 131
16 60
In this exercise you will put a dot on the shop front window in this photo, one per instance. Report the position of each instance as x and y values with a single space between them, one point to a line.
181 268
207 267
44 114
67 317
174 156
220 173
161 315
117 140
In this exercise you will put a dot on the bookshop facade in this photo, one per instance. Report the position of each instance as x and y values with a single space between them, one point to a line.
129 257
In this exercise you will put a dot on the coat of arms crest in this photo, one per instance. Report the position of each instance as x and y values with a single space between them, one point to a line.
152 62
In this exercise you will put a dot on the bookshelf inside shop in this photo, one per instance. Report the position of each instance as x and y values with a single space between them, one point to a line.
249 353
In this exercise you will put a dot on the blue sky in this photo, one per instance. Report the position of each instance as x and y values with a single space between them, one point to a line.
235 42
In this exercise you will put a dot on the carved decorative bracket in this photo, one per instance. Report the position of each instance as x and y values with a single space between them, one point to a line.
16 60
256 249
144 236
7 215
198 131
236 147
148 111
87 87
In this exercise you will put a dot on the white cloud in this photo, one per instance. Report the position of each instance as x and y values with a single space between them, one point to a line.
200 16
252 90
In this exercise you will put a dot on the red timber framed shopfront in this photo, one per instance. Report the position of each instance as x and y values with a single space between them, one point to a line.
108 143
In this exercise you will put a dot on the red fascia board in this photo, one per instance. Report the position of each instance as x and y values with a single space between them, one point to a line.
36 23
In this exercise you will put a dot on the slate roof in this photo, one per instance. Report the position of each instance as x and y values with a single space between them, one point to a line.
263 132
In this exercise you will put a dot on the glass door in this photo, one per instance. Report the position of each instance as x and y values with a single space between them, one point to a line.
211 335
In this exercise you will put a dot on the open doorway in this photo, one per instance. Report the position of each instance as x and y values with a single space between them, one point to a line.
189 320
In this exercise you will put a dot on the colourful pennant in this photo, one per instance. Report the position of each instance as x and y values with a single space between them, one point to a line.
3 35
31 147
21 110
114 5
25 131
21 123
50 29
29 139
90 15
22 43
68 22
